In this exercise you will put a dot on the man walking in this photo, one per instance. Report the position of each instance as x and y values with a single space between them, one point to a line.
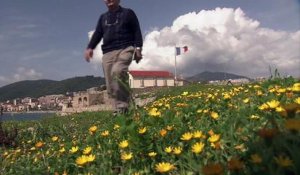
122 40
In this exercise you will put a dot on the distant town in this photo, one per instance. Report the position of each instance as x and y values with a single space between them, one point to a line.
95 99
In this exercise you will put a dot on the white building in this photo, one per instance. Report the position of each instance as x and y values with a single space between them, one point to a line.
143 79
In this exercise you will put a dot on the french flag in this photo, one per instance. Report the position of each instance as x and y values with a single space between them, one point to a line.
180 50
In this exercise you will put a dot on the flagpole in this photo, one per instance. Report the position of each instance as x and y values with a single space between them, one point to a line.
175 80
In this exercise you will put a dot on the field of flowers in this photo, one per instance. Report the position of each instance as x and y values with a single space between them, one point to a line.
196 129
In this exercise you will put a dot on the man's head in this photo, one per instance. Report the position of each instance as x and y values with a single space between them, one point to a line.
112 4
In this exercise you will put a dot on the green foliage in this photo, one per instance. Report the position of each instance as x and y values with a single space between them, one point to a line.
249 129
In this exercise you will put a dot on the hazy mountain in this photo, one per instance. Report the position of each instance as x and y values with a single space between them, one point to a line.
211 76
37 88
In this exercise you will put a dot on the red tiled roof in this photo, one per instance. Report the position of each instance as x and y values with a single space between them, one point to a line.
138 73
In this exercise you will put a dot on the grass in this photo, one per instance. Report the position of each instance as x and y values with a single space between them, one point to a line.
196 129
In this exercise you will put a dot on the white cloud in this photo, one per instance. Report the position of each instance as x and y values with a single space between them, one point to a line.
21 73
223 39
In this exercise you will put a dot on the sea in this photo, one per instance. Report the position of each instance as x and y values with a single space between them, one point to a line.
25 116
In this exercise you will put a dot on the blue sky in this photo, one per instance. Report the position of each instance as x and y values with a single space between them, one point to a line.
45 39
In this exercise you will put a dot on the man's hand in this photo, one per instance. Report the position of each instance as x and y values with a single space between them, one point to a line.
138 55
88 54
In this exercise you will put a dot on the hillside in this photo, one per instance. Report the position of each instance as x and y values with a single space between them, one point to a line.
37 88
211 76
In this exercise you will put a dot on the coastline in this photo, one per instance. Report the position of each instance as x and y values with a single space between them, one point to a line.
31 112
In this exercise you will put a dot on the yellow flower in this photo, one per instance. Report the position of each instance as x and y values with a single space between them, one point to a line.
62 150
74 149
214 115
164 167
256 86
279 109
246 100
169 128
283 161
87 150
91 158
226 96
297 100
177 150
116 127
185 93
126 156
54 138
82 160
124 144
142 130
93 129
198 147
154 112
296 87
214 138
197 134
263 107
105 133
152 154
254 117
168 149
186 136
281 90
39 144
259 93
273 104
199 111
255 158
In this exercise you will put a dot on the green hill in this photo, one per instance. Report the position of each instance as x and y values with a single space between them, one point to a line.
212 76
37 88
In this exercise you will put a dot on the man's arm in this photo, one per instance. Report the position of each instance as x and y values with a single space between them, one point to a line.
138 39
96 38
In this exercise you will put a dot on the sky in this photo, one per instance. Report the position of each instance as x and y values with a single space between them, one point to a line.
46 39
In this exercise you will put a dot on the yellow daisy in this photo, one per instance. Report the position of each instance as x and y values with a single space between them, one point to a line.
198 147
105 133
154 112
54 138
197 134
91 158
126 156
142 130
187 136
152 154
87 150
177 150
93 129
214 115
123 144
82 160
74 149
164 167
214 138
168 149
273 104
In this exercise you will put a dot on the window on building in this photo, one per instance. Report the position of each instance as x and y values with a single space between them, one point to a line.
142 82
